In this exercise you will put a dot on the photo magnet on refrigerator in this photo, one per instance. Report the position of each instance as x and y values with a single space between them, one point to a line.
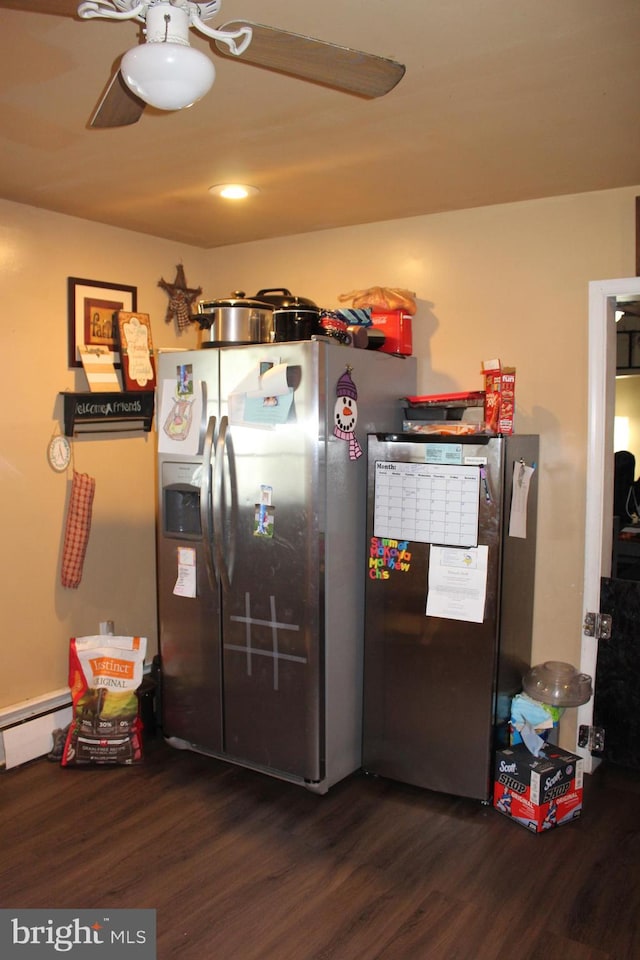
264 513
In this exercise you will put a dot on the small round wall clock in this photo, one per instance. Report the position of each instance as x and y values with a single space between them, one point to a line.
59 453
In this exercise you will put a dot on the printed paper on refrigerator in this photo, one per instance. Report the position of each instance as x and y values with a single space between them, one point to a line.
457 583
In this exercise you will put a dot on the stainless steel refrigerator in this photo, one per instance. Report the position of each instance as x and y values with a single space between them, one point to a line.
261 532
449 603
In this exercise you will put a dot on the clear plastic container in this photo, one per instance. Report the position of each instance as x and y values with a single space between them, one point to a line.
558 684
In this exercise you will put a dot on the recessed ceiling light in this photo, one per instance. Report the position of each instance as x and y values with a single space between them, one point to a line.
233 191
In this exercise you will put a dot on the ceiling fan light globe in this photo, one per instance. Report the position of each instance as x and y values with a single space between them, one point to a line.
168 76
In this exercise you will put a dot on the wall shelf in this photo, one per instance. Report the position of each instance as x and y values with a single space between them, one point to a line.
107 412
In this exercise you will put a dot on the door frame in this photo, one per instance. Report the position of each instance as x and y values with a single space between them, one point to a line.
603 297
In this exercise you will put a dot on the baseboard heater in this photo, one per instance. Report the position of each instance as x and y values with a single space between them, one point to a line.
26 728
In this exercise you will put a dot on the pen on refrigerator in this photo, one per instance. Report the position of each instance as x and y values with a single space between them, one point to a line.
485 484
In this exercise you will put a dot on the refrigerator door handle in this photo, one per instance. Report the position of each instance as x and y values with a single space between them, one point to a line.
206 512
224 552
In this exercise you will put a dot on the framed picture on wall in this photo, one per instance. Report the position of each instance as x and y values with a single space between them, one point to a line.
93 315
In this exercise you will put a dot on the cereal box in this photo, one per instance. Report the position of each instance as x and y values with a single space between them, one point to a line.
500 390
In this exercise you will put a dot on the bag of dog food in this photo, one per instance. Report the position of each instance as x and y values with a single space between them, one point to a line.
104 674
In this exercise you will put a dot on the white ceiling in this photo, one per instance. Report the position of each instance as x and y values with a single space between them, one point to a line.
502 100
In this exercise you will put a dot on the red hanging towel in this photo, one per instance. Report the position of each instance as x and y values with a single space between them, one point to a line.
76 534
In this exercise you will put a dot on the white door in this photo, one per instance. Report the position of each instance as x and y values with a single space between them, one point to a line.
603 297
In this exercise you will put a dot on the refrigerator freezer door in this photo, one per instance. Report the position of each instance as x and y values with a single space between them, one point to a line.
189 625
191 700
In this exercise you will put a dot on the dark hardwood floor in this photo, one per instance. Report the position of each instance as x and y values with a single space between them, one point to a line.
240 866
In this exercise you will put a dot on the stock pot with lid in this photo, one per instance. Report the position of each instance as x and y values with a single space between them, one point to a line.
235 320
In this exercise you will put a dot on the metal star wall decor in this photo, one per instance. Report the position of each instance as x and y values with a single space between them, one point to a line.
180 299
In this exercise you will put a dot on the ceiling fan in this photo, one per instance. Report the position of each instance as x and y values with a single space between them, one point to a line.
166 72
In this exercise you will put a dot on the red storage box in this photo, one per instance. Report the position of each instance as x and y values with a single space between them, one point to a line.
396 326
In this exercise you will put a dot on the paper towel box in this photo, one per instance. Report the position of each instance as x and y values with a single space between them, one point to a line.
538 792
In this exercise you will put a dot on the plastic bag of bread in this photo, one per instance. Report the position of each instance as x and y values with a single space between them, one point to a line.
381 299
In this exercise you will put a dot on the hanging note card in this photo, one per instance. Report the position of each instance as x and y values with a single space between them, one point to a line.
522 474
185 585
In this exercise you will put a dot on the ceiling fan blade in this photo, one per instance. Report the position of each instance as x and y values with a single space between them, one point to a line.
326 63
55 8
119 106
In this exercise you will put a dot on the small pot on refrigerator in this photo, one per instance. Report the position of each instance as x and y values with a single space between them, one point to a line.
294 318
295 324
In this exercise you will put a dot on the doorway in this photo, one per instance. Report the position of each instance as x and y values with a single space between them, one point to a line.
604 297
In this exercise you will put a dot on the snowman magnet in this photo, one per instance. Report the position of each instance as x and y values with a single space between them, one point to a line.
345 415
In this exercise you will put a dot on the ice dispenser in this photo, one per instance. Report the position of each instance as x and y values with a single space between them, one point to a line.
181 500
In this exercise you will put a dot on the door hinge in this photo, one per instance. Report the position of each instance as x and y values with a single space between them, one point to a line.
597 625
591 737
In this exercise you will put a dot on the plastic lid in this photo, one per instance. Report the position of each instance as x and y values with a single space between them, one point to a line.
558 684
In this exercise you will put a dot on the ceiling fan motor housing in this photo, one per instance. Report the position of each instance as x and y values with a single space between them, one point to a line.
166 23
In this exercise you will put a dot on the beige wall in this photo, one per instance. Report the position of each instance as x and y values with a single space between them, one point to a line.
507 281
38 251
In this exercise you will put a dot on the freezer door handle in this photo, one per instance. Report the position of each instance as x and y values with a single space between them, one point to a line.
224 551
206 513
